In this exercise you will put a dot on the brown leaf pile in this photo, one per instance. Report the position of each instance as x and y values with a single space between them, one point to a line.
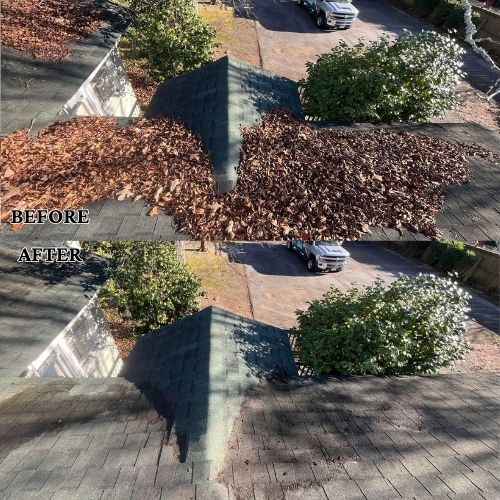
92 158
294 179
326 183
44 27
137 71
144 87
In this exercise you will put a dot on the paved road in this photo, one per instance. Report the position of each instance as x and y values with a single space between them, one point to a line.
279 283
288 36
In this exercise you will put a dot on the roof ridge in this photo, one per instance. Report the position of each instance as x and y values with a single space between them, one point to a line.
222 97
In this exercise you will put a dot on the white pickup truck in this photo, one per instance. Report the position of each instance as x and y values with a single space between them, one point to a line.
331 14
320 255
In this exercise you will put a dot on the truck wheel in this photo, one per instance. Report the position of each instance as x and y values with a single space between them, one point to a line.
311 265
321 20
289 245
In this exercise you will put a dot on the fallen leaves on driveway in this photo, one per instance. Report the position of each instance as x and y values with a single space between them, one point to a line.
44 27
294 179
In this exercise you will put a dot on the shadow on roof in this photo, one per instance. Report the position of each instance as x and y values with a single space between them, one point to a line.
219 98
198 371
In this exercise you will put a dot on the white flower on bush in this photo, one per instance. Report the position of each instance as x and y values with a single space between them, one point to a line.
412 78
416 324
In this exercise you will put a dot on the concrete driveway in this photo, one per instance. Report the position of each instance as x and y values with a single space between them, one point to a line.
288 36
279 283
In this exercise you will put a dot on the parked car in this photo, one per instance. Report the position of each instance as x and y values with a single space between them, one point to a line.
331 13
320 255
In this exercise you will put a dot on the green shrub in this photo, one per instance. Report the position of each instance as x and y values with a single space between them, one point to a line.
414 325
148 281
171 36
410 79
450 256
454 16
447 14
424 7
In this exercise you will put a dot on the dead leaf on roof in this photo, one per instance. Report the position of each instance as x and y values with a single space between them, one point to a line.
10 192
45 27
158 192
314 193
8 172
126 192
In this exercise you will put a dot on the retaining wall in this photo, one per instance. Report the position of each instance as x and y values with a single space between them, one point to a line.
488 25
484 273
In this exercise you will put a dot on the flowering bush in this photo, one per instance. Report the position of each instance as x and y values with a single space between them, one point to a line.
410 79
414 325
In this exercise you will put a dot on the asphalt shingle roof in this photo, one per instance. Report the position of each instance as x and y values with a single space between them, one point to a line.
109 220
212 407
34 89
165 428
219 98
37 301
202 366
368 437
365 437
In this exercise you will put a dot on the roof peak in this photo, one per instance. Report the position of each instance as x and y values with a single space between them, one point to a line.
219 98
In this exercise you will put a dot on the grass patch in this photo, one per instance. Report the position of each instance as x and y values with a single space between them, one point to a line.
235 35
222 280
210 267
221 18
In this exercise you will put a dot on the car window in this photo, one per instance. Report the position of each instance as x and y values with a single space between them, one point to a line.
328 242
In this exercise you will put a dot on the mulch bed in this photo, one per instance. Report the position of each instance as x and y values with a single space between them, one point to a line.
125 331
45 27
137 71
294 179
144 87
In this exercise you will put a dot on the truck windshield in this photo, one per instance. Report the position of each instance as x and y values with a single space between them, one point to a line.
328 242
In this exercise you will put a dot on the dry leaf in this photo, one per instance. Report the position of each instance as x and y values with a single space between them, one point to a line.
310 192
8 172
45 28
158 192
10 192
126 192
